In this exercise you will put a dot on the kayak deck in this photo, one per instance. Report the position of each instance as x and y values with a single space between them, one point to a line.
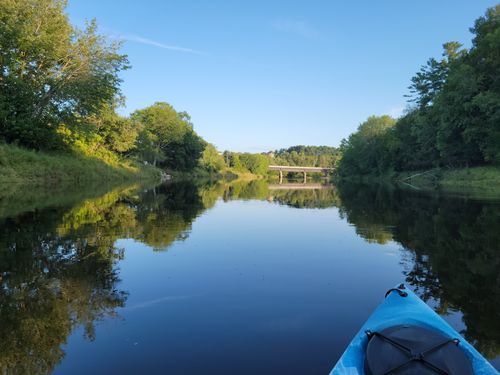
398 309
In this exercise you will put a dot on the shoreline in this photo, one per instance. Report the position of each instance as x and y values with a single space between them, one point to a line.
472 181
22 169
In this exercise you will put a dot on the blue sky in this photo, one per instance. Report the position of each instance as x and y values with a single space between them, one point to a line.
260 75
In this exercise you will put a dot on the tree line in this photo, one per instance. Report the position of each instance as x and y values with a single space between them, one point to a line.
311 156
453 119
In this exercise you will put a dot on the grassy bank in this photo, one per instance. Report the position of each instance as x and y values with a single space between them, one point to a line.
479 181
19 166
476 180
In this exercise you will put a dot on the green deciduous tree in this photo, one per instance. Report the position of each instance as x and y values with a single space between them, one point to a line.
51 72
211 160
255 163
370 149
247 162
167 137
109 130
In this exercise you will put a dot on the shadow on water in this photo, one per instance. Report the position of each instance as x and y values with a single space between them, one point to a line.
59 261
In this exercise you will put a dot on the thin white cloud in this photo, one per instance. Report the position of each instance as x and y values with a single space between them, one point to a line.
150 42
301 28
154 43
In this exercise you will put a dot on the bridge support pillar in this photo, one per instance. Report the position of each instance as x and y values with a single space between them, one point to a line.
281 177
305 177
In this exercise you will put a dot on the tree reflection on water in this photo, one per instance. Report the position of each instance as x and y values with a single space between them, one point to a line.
451 247
58 265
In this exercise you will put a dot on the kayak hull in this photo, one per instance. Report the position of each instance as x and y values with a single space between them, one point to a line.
399 310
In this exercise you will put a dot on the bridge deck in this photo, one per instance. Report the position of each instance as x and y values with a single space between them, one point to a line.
287 168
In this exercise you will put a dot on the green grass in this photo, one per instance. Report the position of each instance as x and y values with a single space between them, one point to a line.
19 166
477 181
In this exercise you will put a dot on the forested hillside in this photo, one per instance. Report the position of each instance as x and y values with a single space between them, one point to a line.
312 156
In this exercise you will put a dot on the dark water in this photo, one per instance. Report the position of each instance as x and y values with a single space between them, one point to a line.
233 278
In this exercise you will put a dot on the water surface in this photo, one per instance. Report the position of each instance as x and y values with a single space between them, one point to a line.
246 278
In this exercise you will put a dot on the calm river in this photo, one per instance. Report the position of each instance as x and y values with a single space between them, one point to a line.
233 278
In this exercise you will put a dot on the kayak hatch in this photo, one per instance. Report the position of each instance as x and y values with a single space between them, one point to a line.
405 336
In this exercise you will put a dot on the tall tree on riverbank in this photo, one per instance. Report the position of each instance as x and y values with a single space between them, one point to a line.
50 72
167 137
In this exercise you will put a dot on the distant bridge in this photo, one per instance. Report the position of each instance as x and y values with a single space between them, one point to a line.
298 169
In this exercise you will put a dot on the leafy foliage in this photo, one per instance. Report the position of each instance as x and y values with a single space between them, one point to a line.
361 153
247 162
51 72
211 160
167 137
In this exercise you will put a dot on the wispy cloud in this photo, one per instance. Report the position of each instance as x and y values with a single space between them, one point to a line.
150 42
301 28
154 43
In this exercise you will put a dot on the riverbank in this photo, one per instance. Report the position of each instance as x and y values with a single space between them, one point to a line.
22 167
484 180
475 180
